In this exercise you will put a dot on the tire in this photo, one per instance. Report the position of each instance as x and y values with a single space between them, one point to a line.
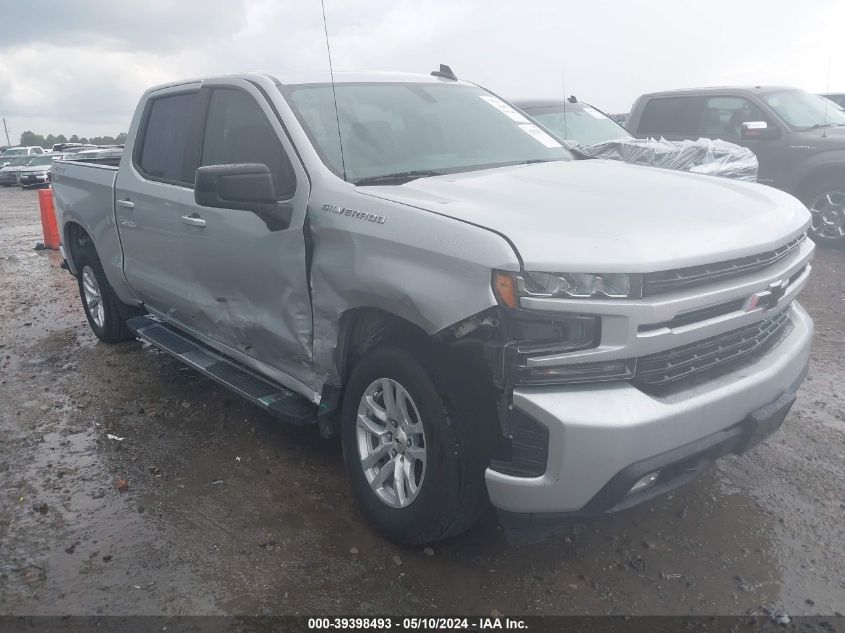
826 200
451 493
108 316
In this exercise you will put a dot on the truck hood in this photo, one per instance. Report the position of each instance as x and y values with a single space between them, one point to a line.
829 138
607 216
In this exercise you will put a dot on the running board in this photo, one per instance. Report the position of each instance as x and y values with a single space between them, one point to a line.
277 400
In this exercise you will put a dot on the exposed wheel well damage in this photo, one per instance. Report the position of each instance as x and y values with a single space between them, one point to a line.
362 329
460 371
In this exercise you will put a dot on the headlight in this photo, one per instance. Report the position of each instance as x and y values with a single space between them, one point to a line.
570 374
510 286
532 335
536 335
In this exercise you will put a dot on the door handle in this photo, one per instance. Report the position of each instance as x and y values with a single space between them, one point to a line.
193 220
126 204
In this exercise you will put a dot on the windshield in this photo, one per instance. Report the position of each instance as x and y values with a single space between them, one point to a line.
397 128
16 162
42 160
803 110
14 152
581 126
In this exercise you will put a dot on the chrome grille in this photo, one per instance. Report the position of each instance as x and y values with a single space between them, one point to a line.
692 276
703 360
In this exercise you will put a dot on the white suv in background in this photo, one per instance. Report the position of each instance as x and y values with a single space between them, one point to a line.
16 152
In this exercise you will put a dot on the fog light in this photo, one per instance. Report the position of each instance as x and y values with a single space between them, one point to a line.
644 483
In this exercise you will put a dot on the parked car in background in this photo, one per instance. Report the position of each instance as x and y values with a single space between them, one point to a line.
16 152
837 97
431 290
798 138
591 132
573 122
9 172
36 172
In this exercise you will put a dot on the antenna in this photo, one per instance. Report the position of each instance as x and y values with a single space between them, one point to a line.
7 133
445 72
563 87
334 94
827 92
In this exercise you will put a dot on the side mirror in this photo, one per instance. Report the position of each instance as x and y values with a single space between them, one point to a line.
245 187
759 131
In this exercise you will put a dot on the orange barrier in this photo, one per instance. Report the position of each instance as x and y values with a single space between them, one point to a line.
48 219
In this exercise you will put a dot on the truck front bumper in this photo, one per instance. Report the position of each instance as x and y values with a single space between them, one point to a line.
33 180
605 438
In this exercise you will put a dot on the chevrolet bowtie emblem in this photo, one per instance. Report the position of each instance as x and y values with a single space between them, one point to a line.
769 298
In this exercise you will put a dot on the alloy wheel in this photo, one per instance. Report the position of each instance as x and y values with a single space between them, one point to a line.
93 297
391 442
828 211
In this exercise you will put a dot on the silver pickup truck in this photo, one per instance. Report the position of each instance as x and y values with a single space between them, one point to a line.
410 263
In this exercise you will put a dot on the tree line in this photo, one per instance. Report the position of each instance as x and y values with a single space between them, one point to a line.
29 139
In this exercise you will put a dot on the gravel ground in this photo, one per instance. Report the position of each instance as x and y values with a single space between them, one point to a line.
228 512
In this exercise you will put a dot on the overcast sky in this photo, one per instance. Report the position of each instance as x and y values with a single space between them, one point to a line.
80 66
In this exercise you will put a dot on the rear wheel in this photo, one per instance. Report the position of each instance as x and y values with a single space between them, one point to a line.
826 201
411 462
105 313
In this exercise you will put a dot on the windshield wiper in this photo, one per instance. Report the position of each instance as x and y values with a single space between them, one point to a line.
398 178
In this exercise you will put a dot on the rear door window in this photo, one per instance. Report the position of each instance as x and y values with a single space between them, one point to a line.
238 131
164 152
671 115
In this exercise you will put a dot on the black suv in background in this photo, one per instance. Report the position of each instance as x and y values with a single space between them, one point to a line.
799 140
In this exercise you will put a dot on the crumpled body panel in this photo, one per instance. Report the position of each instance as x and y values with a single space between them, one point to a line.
430 270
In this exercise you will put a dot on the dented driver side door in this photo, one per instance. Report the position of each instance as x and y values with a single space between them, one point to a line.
248 281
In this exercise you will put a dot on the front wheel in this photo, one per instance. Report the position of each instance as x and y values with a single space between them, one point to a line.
826 202
408 458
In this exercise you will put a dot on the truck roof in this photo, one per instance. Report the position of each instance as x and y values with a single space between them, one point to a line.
321 77
548 103
711 89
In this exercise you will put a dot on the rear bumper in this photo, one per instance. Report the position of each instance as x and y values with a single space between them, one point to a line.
603 438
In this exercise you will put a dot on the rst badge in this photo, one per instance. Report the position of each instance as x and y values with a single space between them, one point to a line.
769 298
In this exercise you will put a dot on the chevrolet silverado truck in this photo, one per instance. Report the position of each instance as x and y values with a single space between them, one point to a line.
408 262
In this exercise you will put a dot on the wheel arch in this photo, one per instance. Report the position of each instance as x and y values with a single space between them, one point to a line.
363 328
815 172
75 238
457 369
78 234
